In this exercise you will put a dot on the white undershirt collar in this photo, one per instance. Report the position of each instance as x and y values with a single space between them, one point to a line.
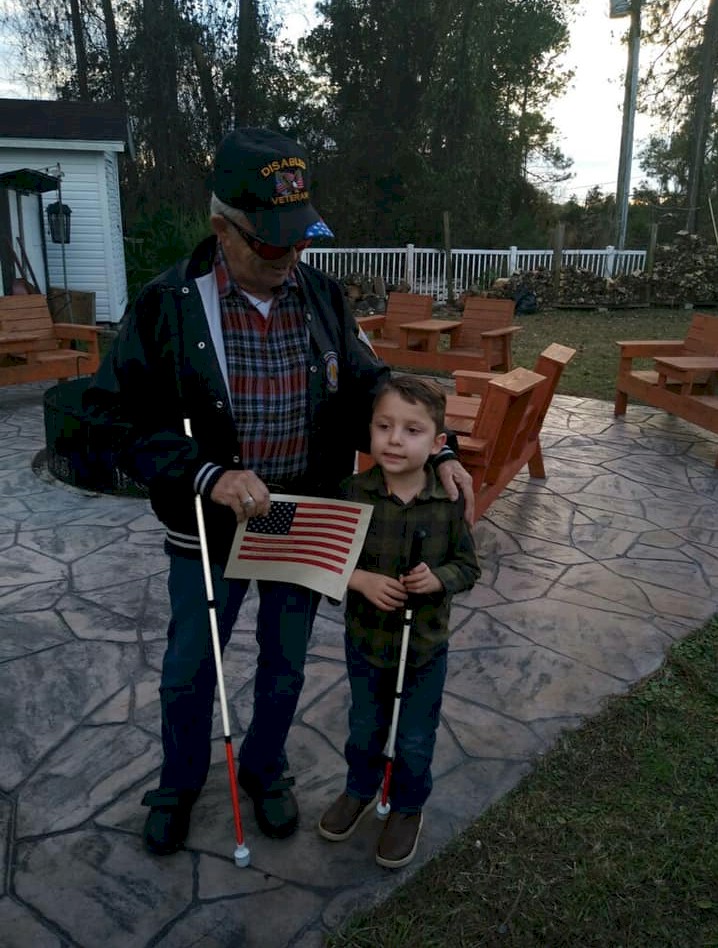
262 306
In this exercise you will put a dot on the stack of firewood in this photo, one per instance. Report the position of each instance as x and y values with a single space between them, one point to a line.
577 287
366 294
685 271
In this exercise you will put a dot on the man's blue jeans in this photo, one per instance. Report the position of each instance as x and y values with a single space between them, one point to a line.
373 693
284 624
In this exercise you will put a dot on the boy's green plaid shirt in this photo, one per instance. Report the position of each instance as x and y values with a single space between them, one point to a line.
448 550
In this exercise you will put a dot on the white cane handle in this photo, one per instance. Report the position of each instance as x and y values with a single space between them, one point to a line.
209 588
414 560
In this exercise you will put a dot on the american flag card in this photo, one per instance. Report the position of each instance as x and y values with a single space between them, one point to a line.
310 541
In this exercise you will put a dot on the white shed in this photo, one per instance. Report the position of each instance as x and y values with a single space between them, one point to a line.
75 145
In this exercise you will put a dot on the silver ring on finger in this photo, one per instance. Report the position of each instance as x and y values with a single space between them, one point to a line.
248 501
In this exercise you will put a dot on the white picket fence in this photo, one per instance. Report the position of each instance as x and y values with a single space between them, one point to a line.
424 268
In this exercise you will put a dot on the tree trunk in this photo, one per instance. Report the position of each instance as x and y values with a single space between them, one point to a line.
702 114
204 74
161 110
78 37
113 54
247 39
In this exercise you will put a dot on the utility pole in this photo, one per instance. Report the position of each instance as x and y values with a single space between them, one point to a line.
623 188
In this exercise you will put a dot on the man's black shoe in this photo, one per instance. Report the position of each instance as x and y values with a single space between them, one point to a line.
275 806
167 823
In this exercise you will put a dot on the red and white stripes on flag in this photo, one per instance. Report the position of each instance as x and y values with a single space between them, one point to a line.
310 541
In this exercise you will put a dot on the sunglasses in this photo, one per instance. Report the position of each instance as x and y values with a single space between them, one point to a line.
262 248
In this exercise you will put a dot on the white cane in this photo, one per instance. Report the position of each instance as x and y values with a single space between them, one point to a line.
241 852
383 807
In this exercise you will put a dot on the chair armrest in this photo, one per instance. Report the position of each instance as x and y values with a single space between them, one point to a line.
474 450
502 331
470 382
645 348
74 331
371 322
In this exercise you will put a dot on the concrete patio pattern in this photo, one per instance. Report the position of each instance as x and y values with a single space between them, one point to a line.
589 577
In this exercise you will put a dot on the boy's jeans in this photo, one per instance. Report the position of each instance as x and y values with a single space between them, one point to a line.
284 624
373 692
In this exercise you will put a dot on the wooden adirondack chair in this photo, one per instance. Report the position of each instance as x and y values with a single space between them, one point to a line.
400 308
684 380
504 434
701 339
34 349
466 415
485 336
386 332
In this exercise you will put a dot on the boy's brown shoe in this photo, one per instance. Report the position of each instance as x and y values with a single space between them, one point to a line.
343 816
399 839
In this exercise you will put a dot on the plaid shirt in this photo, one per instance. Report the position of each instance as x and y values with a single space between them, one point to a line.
448 550
267 366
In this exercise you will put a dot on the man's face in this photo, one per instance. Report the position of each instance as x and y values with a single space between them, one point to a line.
250 271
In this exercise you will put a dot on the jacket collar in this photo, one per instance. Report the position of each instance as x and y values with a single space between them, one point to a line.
433 490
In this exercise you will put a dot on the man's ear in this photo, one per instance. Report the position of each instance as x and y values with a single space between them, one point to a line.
439 442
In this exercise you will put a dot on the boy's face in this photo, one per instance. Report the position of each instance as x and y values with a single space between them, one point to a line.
403 435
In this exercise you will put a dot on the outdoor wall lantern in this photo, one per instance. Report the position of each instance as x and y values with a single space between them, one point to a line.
58 217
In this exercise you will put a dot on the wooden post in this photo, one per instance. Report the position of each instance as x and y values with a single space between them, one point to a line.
651 251
651 258
713 219
409 268
623 187
449 270
558 257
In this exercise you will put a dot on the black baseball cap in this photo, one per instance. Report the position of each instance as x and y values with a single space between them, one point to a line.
266 175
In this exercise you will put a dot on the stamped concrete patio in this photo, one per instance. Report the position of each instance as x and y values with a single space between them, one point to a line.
588 578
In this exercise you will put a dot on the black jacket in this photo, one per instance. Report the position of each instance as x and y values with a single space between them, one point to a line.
163 367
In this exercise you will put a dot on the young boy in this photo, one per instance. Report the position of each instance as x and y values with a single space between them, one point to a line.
406 428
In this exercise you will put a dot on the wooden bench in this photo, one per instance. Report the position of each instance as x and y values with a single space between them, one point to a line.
387 335
34 349
407 335
474 421
487 329
684 378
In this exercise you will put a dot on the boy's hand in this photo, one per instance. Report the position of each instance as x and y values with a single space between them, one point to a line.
420 581
384 592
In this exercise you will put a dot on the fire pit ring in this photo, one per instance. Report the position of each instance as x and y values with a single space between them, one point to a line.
78 452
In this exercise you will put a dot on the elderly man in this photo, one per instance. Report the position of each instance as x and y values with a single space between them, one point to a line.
259 351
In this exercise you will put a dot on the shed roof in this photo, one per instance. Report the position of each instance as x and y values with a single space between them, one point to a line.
28 181
64 120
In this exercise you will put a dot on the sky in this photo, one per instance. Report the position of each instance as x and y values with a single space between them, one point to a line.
588 117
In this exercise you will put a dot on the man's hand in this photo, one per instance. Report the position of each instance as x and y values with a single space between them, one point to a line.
382 591
244 492
420 581
455 477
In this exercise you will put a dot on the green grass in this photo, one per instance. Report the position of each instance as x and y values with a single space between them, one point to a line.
611 841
